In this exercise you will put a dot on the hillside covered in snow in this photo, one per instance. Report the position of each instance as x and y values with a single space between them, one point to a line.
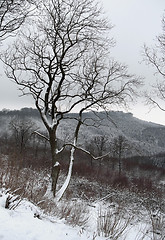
144 138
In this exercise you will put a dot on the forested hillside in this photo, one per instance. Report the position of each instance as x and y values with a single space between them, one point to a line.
143 138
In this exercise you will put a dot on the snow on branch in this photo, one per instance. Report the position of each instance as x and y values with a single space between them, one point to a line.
83 150
41 135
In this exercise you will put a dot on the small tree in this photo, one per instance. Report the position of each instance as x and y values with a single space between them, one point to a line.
97 147
119 147
64 64
22 131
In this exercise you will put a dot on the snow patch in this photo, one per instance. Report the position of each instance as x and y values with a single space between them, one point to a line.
56 164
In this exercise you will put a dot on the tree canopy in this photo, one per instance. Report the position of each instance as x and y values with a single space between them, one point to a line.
63 60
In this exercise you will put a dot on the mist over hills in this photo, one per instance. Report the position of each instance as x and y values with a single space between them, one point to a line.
144 138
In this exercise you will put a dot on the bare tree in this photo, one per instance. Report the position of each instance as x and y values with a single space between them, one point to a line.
97 147
12 15
22 130
119 147
155 57
64 64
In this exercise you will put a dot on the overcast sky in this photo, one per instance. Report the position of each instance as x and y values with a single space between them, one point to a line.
135 22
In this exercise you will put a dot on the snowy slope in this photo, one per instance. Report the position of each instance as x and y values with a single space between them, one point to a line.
20 224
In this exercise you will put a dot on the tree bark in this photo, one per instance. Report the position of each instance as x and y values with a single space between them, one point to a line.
61 192
54 176
55 164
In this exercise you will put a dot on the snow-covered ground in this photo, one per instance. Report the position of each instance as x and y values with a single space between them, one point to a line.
27 222
21 223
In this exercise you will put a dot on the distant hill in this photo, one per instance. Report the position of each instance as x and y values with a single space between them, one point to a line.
144 138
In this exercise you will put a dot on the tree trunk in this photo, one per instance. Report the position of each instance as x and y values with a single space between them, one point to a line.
60 193
119 166
55 164
54 176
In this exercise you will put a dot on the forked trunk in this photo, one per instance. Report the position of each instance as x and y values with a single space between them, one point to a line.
56 165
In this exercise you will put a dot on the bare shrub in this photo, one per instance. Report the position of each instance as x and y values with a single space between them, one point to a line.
33 185
145 186
30 184
121 181
157 224
84 169
74 212
112 223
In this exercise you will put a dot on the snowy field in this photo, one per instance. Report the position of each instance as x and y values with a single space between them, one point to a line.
25 221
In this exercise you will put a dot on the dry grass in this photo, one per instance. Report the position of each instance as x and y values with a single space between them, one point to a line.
74 212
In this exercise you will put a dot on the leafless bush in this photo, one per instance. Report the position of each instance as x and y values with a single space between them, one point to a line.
33 185
12 200
157 220
112 223
74 212
121 181
30 184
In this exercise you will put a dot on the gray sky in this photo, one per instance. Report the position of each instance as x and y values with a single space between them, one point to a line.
135 22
